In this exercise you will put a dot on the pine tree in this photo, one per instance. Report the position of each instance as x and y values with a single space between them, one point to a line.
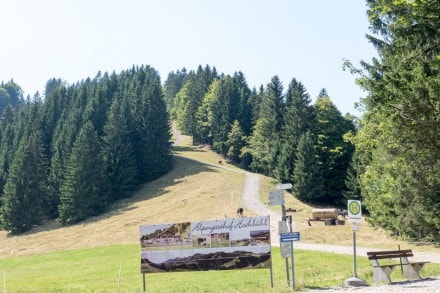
25 194
84 189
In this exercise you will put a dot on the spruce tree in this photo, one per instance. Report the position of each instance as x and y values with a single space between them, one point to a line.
334 152
25 193
118 153
308 183
298 119
264 140
220 112
152 129
84 189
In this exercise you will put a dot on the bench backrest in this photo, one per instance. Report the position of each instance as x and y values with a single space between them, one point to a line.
389 254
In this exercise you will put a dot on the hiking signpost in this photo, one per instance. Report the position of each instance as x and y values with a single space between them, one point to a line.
354 208
276 197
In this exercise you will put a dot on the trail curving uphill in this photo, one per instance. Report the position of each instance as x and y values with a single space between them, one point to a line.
251 199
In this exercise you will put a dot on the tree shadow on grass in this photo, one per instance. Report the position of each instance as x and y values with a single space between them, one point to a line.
182 167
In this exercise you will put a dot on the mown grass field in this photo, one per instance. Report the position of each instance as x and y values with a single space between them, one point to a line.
116 268
102 254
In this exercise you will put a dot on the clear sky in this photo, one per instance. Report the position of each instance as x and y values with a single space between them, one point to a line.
74 39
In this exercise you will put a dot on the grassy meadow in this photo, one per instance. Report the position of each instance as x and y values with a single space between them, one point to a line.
116 268
102 254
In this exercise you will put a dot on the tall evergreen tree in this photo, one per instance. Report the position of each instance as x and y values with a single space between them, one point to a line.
241 104
298 119
265 137
220 113
308 183
25 194
152 129
334 152
84 190
118 153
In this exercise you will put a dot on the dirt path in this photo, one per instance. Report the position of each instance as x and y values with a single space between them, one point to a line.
252 202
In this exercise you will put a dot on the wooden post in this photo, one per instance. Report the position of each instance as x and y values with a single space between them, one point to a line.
401 266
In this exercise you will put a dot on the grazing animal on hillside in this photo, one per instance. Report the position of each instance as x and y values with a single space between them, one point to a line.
240 212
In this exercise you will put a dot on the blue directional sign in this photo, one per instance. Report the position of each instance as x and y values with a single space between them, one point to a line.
288 237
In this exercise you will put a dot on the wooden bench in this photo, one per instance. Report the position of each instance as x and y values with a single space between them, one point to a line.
381 273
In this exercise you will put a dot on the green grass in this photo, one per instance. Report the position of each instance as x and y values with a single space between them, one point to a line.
98 270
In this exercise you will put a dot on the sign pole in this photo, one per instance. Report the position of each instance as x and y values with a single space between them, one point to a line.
354 217
283 210
291 256
271 265
354 254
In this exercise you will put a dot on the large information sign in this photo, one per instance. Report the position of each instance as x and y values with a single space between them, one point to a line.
242 243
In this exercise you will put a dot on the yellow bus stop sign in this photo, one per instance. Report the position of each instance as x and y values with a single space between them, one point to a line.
354 211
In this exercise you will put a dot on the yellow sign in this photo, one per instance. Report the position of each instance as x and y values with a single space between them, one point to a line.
354 211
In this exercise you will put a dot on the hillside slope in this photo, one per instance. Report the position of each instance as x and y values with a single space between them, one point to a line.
201 186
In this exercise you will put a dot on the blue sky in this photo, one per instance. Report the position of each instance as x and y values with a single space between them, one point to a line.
74 39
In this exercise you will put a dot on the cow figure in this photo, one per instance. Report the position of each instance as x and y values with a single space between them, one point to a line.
240 212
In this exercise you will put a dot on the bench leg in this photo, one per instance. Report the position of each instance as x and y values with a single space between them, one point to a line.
412 270
382 274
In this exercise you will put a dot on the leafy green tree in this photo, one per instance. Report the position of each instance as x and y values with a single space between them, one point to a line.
184 109
235 143
172 86
84 190
189 99
25 194
204 115
10 94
